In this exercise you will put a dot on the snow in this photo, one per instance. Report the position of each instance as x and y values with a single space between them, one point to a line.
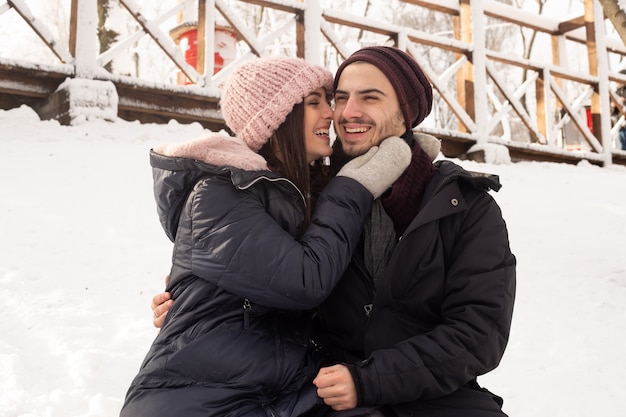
90 99
82 254
492 153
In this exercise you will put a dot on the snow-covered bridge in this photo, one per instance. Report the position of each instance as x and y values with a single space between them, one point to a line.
542 86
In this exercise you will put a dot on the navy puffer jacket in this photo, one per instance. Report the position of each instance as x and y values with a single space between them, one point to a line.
441 314
236 341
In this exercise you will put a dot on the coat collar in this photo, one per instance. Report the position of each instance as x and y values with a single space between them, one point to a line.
444 197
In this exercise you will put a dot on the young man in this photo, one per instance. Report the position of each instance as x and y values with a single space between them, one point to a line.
425 306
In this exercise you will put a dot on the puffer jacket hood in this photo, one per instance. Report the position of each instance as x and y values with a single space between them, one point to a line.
177 167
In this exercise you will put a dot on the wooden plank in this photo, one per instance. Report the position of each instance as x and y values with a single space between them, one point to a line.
29 82
363 23
284 5
571 24
450 7
150 104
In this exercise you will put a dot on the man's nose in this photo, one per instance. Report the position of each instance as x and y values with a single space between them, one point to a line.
351 109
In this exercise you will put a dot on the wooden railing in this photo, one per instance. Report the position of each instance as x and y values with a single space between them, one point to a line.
556 111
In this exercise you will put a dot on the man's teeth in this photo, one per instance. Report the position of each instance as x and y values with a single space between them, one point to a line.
357 130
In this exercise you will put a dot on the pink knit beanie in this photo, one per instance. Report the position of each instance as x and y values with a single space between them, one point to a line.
260 94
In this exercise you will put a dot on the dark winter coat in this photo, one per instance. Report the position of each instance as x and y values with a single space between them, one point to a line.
441 314
236 341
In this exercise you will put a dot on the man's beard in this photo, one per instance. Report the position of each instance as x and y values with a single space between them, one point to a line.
389 127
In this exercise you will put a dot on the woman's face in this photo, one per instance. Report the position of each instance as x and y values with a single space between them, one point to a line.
317 118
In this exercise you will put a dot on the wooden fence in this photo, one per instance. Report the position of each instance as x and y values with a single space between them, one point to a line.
555 112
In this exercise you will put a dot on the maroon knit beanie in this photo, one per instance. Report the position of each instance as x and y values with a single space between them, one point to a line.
411 85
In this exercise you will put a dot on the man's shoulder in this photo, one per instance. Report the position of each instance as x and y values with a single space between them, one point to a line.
450 171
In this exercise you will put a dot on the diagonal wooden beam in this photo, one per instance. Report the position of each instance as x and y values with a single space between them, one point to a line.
517 106
578 122
448 97
41 30
166 43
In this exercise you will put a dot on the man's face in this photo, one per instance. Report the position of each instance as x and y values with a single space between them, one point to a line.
367 109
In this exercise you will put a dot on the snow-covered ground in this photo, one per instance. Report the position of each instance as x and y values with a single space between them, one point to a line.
82 253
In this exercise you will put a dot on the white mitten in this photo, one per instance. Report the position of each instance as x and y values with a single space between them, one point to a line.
380 167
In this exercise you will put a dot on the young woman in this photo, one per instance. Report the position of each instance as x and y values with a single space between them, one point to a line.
250 259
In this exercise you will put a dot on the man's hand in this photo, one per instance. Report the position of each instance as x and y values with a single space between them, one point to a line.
161 304
336 387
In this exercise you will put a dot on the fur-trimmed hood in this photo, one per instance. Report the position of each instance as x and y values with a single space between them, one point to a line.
216 149
177 167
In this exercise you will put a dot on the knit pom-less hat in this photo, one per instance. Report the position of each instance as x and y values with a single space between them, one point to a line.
413 89
260 94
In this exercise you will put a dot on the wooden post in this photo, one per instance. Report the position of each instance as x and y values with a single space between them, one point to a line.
73 27
461 94
558 56
201 40
542 104
592 54
599 66
309 32
465 17
479 61
85 49
206 40
301 28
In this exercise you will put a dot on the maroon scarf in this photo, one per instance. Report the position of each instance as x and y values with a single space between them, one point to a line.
403 201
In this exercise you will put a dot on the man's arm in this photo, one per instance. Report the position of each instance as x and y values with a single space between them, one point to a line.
476 310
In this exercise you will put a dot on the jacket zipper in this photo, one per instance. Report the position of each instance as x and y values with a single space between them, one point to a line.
263 177
246 313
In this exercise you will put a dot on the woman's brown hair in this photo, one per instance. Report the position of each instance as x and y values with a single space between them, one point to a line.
285 154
